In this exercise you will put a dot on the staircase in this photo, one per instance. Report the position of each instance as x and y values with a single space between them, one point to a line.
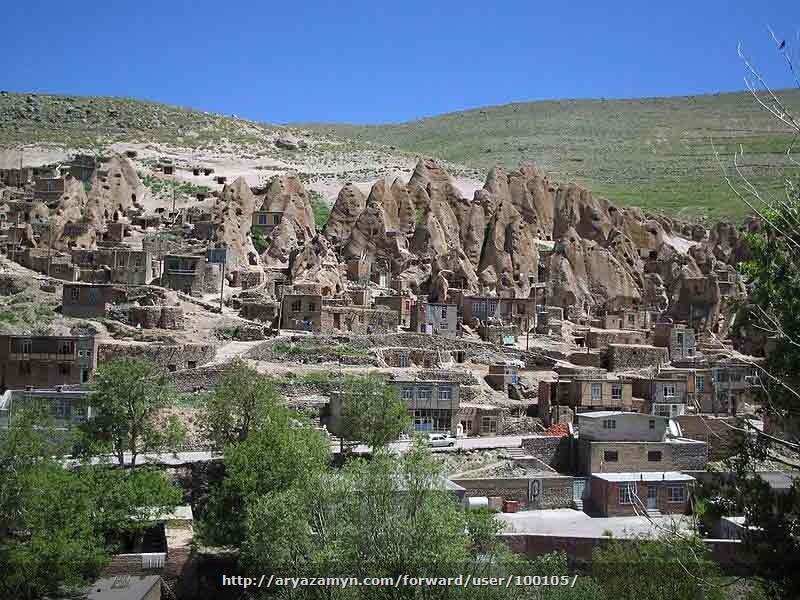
577 504
519 452
653 512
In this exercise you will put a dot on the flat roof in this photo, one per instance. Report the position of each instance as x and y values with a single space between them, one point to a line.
124 587
644 476
603 414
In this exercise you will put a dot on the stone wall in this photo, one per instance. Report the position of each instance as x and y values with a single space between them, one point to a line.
554 491
153 317
554 451
717 432
173 357
358 320
624 357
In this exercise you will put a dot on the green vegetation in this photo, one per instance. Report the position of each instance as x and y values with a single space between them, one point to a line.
129 396
322 212
241 404
373 412
59 526
162 186
259 241
421 216
654 153
296 349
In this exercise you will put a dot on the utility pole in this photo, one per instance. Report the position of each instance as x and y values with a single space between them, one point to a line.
527 333
50 247
222 283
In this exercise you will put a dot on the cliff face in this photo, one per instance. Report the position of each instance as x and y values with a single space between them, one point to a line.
233 216
286 194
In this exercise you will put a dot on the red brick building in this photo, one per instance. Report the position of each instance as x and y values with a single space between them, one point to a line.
621 494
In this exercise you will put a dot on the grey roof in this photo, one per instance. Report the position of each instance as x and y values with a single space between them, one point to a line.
644 476
125 587
604 414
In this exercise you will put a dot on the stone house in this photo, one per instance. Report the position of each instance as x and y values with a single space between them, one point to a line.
311 312
432 405
501 375
619 442
400 304
667 394
736 383
480 419
679 338
583 393
622 494
48 189
114 265
301 311
519 312
624 357
46 361
191 274
626 318
358 270
86 300
435 318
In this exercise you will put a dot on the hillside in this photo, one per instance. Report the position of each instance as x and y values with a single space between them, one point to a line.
654 152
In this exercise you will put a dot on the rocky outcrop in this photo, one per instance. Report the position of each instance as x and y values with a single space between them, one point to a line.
67 227
114 188
287 195
348 206
317 262
232 216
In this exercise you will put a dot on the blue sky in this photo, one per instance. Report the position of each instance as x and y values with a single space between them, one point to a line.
368 62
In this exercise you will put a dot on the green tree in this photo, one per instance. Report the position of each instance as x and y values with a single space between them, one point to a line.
260 243
57 525
242 403
129 397
675 567
285 453
372 410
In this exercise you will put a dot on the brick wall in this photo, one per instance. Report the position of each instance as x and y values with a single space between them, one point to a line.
182 356
555 491
622 357
632 457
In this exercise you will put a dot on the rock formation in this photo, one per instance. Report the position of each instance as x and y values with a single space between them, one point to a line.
287 195
232 216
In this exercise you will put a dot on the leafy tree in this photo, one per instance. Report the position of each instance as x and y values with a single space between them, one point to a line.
372 410
676 567
260 243
55 522
242 403
129 397
283 454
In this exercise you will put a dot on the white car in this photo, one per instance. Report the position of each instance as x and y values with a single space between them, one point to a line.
439 440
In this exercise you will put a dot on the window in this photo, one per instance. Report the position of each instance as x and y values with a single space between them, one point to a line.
669 391
690 352
408 393
445 394
597 391
66 347
172 368
312 306
444 312
192 364
609 424
361 318
616 392
654 456
276 219
424 395
402 361
61 408
63 368
262 219
489 424
676 493
296 306
700 383
627 491
84 375
631 319
26 346
73 294
24 368
610 456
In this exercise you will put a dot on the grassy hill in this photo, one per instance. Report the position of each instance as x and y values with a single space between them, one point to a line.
654 152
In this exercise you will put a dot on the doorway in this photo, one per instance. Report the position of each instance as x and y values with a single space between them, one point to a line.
652 497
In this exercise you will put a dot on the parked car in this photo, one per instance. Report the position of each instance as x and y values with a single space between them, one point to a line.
438 440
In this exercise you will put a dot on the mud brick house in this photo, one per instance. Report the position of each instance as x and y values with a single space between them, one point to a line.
46 361
358 270
620 442
736 382
114 265
667 394
434 318
621 494
301 311
313 312
86 300
401 304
